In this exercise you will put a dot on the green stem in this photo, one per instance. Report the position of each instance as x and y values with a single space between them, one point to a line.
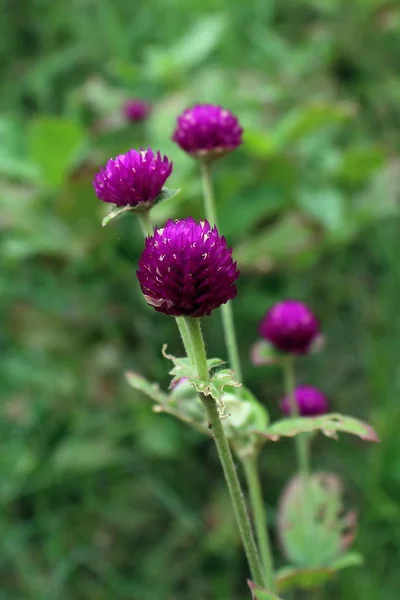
199 351
225 457
145 223
230 339
185 335
301 439
259 516
208 193
302 450
227 312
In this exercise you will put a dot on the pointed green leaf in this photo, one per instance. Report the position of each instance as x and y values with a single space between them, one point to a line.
152 390
289 578
54 145
350 559
115 212
306 120
165 194
258 593
329 424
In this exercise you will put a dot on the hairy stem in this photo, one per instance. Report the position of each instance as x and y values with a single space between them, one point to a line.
250 465
225 457
186 339
226 309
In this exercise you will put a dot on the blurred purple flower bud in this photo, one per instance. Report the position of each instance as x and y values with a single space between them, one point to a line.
310 402
290 326
207 131
136 110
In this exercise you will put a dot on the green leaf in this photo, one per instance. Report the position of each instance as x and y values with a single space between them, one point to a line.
115 212
326 206
165 194
258 593
350 559
329 424
357 164
167 63
289 578
259 143
330 529
182 403
306 120
152 390
215 387
244 415
198 43
54 145
283 241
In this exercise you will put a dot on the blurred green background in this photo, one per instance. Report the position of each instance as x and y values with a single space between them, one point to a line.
101 498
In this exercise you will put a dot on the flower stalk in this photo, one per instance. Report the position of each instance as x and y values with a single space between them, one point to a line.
225 456
302 448
226 309
259 512
145 223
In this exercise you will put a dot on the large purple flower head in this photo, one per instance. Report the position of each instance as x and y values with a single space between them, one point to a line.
133 179
207 131
136 110
310 402
290 326
186 269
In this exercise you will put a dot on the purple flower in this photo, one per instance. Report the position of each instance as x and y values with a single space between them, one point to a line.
290 326
310 402
186 269
135 178
136 110
207 131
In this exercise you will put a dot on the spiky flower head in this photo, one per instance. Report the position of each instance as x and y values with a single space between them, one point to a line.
207 131
290 326
133 179
186 269
310 402
136 110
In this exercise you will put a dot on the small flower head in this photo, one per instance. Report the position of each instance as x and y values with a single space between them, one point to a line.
136 110
132 179
290 326
207 131
186 269
310 402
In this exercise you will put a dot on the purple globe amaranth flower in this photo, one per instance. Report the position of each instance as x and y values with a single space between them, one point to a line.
310 402
136 110
133 179
290 326
207 131
186 269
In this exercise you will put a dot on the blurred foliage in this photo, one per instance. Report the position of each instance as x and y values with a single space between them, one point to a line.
100 497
